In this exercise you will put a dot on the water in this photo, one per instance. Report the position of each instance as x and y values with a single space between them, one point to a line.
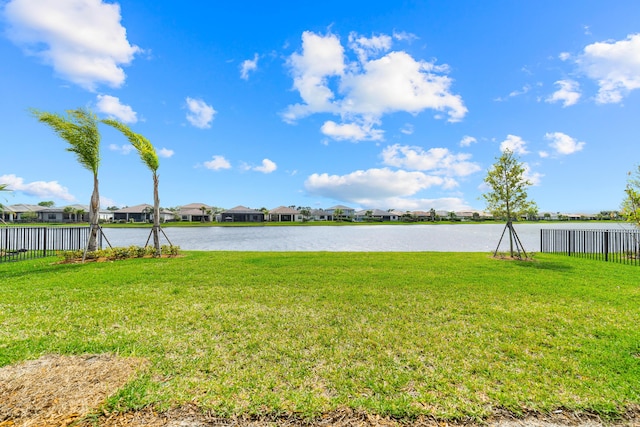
360 238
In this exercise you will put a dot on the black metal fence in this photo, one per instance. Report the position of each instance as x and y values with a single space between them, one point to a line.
622 246
20 243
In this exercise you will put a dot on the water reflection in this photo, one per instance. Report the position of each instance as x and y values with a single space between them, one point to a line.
361 238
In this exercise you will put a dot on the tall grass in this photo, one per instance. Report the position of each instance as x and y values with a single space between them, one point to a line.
453 335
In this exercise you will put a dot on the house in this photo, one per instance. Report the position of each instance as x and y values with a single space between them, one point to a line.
242 214
138 213
24 213
422 215
320 215
347 212
194 212
375 215
285 214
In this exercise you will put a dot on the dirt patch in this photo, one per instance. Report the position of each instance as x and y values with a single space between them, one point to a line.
58 390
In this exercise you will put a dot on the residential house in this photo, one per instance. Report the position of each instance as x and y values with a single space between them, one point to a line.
137 213
285 214
347 212
194 212
320 215
242 214
376 215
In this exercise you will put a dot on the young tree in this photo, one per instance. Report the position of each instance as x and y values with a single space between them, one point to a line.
631 204
508 197
47 204
80 129
149 157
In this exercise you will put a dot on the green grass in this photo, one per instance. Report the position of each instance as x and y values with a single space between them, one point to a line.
453 335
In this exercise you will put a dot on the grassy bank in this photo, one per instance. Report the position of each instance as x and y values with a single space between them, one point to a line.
402 334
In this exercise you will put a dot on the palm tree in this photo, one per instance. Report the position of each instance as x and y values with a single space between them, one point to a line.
338 214
3 187
79 215
149 157
80 129
204 211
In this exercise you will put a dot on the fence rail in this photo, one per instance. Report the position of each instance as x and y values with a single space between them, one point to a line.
622 246
19 243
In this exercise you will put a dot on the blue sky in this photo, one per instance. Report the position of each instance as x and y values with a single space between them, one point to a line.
371 104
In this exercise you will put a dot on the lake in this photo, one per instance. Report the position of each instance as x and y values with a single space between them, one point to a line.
357 238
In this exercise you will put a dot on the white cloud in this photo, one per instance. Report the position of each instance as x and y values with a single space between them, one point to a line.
165 152
569 93
352 131
535 178
614 65
365 47
515 144
525 89
111 105
438 160
82 40
543 154
371 85
564 56
267 166
42 189
397 82
467 141
371 184
407 129
123 149
563 143
247 66
218 163
200 114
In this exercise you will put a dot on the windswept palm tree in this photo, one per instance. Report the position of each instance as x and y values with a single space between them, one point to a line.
149 157
80 129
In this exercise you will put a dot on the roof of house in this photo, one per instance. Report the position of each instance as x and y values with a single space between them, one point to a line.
135 209
284 210
241 209
343 207
195 206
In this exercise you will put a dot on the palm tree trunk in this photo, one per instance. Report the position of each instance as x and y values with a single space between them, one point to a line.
94 210
156 216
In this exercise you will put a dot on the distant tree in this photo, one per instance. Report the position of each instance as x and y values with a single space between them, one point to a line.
80 214
306 213
69 210
475 216
149 157
47 204
80 129
29 216
631 203
432 214
113 208
203 209
508 197
368 215
337 214
3 187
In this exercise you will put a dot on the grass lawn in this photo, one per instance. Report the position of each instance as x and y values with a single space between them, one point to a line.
453 335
